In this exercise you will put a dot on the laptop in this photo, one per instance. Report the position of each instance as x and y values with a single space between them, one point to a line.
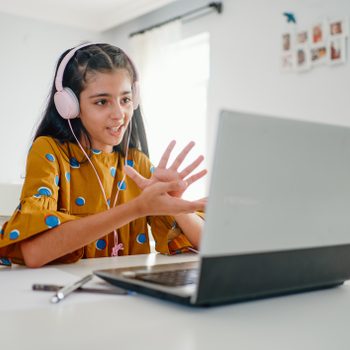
277 219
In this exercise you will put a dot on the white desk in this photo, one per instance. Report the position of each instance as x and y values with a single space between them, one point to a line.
314 320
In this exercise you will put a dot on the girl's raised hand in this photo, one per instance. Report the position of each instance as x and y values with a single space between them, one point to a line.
155 200
172 173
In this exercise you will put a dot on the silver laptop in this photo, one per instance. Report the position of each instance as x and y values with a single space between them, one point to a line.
277 219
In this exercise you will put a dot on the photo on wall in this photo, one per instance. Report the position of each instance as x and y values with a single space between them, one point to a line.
318 33
325 42
287 62
286 41
319 55
339 28
337 50
303 58
287 57
303 37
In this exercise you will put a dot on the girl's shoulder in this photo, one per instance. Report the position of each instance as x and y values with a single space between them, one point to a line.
49 146
46 142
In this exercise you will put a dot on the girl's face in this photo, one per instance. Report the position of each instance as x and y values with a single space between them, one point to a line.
106 108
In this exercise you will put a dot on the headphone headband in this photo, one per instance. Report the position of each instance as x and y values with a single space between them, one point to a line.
67 104
63 64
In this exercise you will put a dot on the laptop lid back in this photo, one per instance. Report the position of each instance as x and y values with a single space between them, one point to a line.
277 185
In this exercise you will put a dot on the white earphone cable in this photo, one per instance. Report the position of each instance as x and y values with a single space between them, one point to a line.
117 246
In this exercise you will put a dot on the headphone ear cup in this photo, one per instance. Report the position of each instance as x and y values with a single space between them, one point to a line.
136 94
67 103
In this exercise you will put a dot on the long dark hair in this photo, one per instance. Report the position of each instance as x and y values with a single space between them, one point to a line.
92 58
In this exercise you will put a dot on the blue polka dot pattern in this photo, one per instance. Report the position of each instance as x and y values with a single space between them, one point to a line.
109 202
101 244
52 221
57 180
44 191
5 262
80 201
1 231
141 238
14 234
130 162
96 151
74 163
112 170
122 185
152 169
67 176
50 157
19 207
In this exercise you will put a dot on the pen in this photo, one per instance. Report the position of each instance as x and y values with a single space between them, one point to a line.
55 288
65 291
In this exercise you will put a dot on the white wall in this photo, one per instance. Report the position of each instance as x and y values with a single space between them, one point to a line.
245 63
29 51
245 52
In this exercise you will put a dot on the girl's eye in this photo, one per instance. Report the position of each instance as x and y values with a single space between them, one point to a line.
101 102
126 100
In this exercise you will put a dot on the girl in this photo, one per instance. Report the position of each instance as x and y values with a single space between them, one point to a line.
76 201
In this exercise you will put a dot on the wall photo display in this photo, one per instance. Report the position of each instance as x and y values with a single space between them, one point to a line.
325 42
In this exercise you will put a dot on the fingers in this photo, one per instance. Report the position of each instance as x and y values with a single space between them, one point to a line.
165 157
202 202
199 205
135 176
188 170
196 177
178 205
180 158
155 200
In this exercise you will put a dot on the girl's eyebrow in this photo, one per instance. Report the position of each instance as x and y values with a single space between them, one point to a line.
105 94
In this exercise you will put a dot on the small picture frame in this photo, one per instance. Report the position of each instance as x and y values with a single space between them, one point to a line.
338 28
287 62
319 55
286 42
302 58
337 50
303 37
318 33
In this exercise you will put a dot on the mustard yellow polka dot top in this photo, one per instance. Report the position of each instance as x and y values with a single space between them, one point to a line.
61 185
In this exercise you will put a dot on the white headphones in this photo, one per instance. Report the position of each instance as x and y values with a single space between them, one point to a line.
67 103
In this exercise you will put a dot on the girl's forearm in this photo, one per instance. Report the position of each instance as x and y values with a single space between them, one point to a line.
72 235
191 225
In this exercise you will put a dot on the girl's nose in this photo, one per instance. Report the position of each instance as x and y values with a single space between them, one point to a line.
116 110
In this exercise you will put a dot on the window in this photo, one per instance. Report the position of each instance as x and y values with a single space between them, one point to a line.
174 100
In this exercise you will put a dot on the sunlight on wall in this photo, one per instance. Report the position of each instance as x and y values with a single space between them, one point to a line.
175 102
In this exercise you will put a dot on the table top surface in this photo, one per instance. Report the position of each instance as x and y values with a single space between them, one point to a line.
312 320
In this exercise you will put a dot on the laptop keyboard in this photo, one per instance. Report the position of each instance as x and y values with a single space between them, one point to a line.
175 278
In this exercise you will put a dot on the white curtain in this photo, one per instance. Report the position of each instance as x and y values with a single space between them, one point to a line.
173 80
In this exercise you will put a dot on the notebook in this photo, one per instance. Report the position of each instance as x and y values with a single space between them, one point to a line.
277 219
